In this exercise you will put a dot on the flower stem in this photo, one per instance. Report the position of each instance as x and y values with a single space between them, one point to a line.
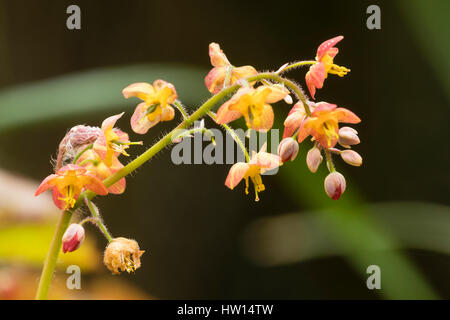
98 220
234 135
296 65
180 108
81 153
330 163
52 256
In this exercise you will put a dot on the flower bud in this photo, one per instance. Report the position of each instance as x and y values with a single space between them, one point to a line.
122 254
72 238
313 159
348 137
334 185
288 149
351 157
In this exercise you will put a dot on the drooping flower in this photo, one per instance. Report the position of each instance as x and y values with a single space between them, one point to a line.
319 71
156 106
259 163
313 159
113 141
122 254
224 71
334 185
72 238
91 161
288 149
351 157
323 124
348 137
67 184
253 105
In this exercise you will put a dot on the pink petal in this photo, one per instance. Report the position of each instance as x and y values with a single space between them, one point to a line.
327 45
315 78
266 160
236 174
139 121
56 195
139 89
218 58
46 184
345 115
215 78
109 123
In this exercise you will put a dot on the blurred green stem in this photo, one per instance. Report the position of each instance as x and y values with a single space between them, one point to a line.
52 256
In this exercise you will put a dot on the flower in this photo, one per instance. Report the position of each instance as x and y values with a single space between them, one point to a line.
113 141
72 238
67 184
351 157
323 124
348 137
313 159
288 149
122 254
224 71
258 164
156 106
253 105
91 161
319 71
334 185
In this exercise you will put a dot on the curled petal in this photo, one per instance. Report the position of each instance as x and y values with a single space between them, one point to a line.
244 72
46 184
315 78
215 79
139 121
324 48
275 94
345 115
292 123
236 174
218 58
96 186
323 107
305 129
139 89
110 122
166 89
225 114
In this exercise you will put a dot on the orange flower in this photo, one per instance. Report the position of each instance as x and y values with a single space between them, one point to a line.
318 72
253 105
67 185
258 164
224 71
91 161
323 124
156 106
113 141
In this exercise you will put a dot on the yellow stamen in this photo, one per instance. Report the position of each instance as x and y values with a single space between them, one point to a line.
69 198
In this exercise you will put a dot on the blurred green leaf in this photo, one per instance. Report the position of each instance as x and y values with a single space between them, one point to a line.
429 22
92 91
28 244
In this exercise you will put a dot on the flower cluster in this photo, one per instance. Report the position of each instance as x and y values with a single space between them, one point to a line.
88 162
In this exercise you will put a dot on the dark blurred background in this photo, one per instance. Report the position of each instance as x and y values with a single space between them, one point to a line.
201 237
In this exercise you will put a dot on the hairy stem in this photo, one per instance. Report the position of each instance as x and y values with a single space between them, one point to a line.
98 219
52 256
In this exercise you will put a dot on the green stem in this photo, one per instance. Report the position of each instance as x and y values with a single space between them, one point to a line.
81 153
180 108
98 220
234 135
52 256
296 65
330 163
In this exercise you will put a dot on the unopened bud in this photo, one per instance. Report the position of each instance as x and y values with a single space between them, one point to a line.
288 149
72 238
348 137
122 254
313 159
334 185
288 99
351 157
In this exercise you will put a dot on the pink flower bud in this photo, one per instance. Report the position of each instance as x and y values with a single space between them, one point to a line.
348 137
334 185
288 149
351 157
73 237
313 159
